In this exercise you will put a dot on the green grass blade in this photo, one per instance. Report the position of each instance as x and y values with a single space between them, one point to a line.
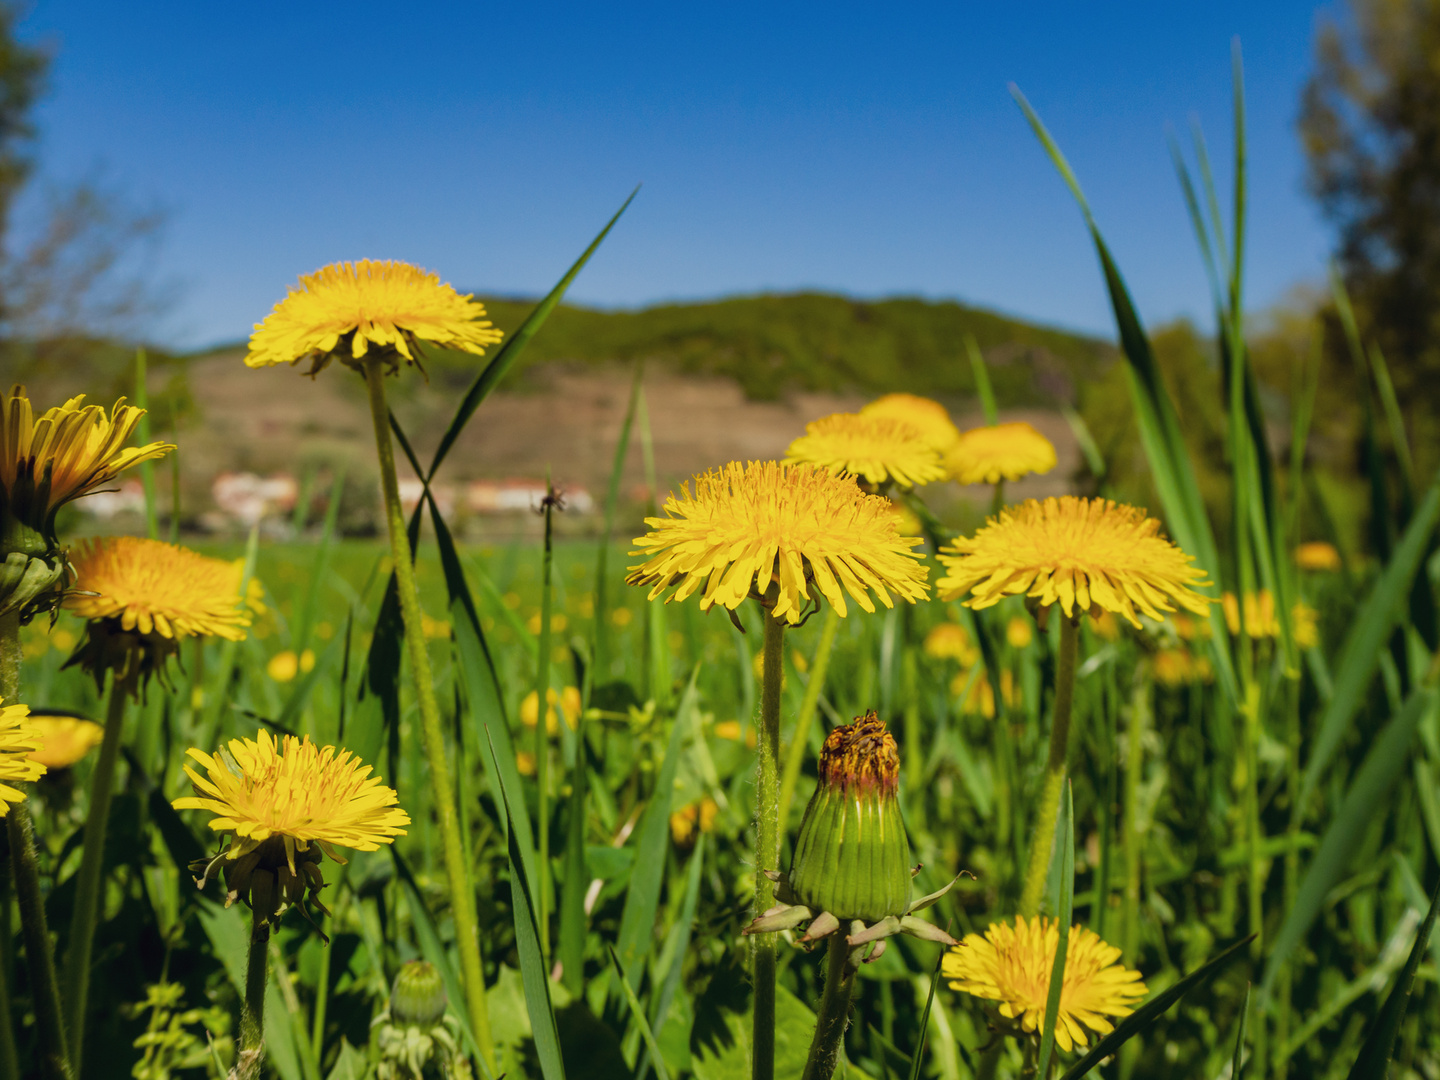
1380 525
683 929
918 1059
653 1048
319 572
571 946
982 380
1197 219
433 949
1360 654
1147 1014
1237 1060
1155 414
1370 791
142 435
1385 389
1374 1060
1066 911
602 553
527 943
509 352
637 920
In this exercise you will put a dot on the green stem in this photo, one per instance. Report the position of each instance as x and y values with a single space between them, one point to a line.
1042 840
834 1011
462 897
542 737
55 1064
800 739
767 841
252 1011
90 881
1131 840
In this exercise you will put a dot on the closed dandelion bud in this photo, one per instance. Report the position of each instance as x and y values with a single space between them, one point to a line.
852 858
418 996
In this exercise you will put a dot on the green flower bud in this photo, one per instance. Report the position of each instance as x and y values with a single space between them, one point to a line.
418 996
852 858
31 584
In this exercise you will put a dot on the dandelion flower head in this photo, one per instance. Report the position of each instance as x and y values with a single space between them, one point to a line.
1317 555
159 588
343 309
1261 620
63 740
294 790
66 452
1011 964
951 641
18 740
932 418
746 526
987 455
1087 555
875 449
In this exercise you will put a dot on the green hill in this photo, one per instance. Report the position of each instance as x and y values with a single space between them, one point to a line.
773 343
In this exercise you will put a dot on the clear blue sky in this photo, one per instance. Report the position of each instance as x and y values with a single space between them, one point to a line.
869 149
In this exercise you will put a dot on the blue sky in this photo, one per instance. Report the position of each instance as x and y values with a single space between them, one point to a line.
868 149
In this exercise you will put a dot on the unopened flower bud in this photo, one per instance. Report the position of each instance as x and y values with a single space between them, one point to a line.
418 996
852 858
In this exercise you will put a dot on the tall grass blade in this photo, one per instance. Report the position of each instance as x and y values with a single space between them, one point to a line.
1370 791
1374 1060
527 943
1155 413
637 920
571 946
982 380
433 949
917 1061
142 433
1381 532
1065 912
1385 390
1360 654
602 552
680 940
509 352
651 1046
1141 1019
1237 1060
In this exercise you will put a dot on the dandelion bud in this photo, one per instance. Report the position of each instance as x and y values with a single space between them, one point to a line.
852 858
418 996
30 584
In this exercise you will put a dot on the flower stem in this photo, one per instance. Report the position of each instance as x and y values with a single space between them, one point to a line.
26 869
767 842
834 1010
252 1012
801 736
462 897
1043 838
90 882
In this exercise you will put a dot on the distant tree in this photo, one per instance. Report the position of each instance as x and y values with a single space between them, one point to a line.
1370 121
22 79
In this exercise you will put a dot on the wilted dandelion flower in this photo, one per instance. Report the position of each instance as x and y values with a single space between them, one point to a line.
63 740
747 526
343 309
987 455
1317 555
1087 555
284 805
141 597
930 417
18 741
876 449
1011 963
69 451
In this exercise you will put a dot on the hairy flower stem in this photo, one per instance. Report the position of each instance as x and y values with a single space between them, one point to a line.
801 736
834 1013
462 896
1042 840
252 1012
45 993
767 840
90 882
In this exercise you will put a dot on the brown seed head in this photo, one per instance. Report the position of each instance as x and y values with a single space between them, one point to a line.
861 755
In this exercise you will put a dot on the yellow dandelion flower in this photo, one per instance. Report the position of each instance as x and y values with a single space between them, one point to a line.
18 741
951 641
987 455
1019 632
980 700
1089 555
343 309
568 701
932 418
747 526
1179 667
875 449
1261 620
285 665
158 588
1317 555
69 451
691 819
1011 964
63 740
284 805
